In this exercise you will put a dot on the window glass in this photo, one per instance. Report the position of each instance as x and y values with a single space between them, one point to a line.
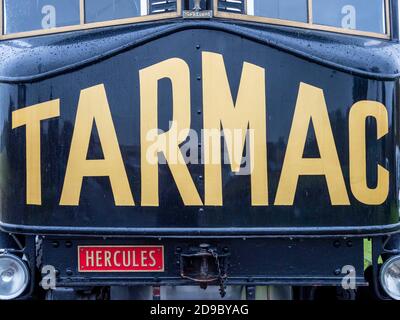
363 15
104 10
28 15
294 10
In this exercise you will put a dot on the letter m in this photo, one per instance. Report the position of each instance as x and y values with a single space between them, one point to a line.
249 113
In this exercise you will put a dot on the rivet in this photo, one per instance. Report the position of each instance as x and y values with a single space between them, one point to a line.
349 243
336 243
69 272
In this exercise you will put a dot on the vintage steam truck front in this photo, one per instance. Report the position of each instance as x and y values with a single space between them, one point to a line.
156 149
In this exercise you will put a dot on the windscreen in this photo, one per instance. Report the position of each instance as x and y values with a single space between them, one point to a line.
34 15
351 14
103 10
359 15
295 10
28 15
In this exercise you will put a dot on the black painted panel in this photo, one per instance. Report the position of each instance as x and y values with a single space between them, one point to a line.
120 75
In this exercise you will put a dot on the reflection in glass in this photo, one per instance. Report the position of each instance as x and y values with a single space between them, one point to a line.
104 10
294 10
28 15
351 14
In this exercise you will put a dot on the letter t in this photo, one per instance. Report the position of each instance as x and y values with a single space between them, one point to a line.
30 117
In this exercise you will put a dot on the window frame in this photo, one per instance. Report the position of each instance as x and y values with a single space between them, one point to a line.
84 26
309 24
389 4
